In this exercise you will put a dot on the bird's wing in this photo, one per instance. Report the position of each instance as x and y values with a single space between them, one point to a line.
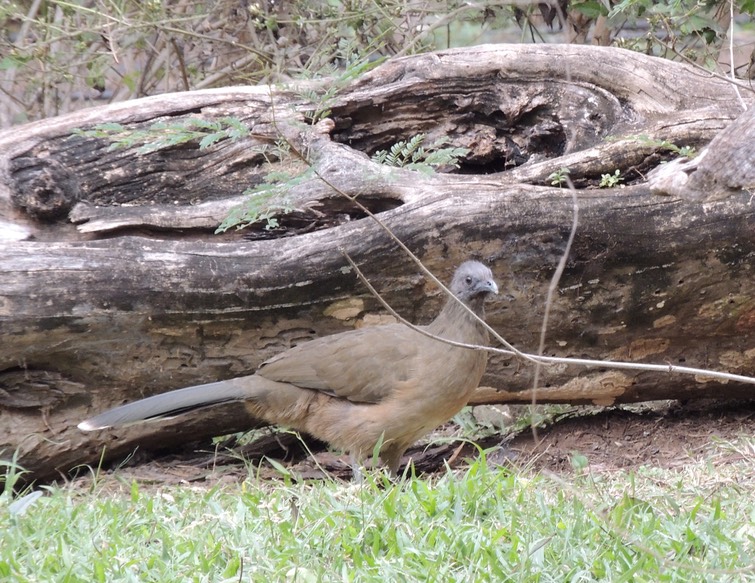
362 365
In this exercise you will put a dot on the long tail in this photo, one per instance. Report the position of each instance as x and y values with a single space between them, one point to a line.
174 403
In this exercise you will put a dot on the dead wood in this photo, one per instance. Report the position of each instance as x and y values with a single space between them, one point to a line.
114 285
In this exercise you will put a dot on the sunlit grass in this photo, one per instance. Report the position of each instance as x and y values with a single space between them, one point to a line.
694 523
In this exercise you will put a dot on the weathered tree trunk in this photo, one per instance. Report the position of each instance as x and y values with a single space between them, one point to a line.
114 286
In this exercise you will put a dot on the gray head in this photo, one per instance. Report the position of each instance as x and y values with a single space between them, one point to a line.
473 282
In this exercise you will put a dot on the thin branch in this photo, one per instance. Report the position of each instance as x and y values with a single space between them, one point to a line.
731 55
178 51
400 318
549 360
552 287
736 84
324 127
669 368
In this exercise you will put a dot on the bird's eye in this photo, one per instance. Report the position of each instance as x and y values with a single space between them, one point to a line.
468 279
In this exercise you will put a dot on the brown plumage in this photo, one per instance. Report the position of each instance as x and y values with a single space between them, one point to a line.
388 384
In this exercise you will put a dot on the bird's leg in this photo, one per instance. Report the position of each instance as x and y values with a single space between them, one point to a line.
391 457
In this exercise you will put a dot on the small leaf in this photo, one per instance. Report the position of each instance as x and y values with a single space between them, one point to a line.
110 127
591 8
280 468
20 506
209 140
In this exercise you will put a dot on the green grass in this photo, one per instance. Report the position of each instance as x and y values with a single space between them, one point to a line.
694 523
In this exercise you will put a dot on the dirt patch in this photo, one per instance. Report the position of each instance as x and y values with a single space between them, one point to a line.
668 434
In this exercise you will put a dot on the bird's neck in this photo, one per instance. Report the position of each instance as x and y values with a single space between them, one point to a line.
455 323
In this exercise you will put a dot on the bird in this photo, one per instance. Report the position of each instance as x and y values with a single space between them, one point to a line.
380 386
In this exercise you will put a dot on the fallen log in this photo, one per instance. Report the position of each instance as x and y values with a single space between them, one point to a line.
115 287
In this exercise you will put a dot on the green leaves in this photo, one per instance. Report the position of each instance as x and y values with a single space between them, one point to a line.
686 151
591 8
692 522
266 201
611 180
559 177
162 135
413 156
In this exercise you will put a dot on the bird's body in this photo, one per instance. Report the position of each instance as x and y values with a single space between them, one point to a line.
384 384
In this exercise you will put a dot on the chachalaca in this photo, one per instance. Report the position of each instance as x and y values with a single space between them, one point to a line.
388 384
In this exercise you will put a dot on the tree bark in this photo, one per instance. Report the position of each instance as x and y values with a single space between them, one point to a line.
114 286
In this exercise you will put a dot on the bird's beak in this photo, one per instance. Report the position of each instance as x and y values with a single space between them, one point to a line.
488 287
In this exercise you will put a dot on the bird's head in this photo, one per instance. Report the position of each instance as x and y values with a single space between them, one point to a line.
473 282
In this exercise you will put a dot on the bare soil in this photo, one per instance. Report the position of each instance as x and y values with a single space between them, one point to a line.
670 435
667 434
